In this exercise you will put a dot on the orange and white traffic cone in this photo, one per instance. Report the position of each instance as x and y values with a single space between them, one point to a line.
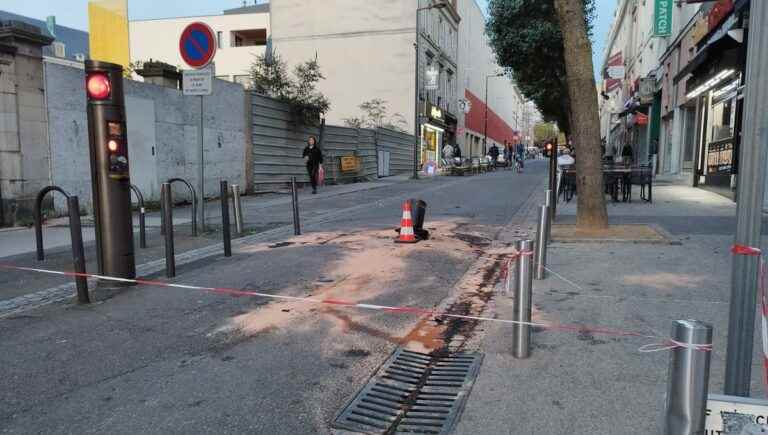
406 225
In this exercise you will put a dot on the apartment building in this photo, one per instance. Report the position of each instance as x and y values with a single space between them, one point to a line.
241 34
508 117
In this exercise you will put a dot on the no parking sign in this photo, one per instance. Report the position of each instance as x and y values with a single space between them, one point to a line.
197 45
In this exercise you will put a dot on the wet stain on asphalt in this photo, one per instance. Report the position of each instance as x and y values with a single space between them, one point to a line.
280 245
356 353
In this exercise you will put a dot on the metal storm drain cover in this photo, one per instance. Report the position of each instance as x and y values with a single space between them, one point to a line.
413 393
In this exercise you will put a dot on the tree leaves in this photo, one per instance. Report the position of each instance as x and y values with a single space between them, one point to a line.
526 37
270 77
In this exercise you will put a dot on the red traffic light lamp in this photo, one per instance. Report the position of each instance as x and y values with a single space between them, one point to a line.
98 86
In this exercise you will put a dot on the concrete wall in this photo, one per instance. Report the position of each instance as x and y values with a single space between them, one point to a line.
159 40
24 153
162 135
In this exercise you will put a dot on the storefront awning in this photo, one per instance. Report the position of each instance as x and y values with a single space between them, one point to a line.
719 42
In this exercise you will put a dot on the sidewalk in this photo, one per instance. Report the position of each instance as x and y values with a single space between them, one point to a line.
592 383
21 240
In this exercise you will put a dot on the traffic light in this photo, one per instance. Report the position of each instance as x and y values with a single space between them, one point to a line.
548 149
110 171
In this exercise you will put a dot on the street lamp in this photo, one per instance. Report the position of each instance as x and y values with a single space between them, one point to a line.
417 118
485 131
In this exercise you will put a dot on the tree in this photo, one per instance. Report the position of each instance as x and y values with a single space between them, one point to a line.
528 39
585 121
376 115
544 131
269 76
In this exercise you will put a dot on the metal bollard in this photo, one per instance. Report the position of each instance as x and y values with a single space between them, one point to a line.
512 282
521 333
225 219
295 198
548 203
238 209
541 243
687 386
78 253
167 206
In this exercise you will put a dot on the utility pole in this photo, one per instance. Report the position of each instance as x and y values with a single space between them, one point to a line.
751 185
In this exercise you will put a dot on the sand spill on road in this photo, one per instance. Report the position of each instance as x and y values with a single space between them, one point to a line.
371 266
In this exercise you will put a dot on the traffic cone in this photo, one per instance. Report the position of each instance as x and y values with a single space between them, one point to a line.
406 225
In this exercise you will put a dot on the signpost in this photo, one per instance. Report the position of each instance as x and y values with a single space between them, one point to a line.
197 46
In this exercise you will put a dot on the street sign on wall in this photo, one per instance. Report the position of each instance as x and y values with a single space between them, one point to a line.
432 74
197 45
198 81
662 18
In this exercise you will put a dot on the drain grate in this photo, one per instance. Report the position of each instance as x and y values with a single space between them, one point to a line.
413 393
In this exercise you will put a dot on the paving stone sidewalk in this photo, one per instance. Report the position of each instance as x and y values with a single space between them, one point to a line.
590 383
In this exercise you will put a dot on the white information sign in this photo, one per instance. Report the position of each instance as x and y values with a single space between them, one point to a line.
432 75
736 409
198 81
616 72
465 106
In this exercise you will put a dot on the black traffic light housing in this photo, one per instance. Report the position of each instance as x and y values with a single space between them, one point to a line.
110 170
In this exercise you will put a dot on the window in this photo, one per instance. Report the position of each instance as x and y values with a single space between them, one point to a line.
219 37
248 38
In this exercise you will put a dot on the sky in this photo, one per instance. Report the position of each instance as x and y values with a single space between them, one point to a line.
74 13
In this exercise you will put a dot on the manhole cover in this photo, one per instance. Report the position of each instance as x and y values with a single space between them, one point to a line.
413 393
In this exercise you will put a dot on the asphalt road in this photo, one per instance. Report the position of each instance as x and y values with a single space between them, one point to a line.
167 360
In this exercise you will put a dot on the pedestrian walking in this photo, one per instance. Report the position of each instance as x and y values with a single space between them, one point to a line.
494 153
313 158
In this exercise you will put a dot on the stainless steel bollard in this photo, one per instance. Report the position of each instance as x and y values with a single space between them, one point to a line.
238 209
512 283
521 334
688 381
167 216
541 243
548 203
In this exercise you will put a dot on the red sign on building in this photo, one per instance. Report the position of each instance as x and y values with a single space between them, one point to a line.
719 12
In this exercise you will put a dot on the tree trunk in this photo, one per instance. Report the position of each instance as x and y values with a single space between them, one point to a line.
585 121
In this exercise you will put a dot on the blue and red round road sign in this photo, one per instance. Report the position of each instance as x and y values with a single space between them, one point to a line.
197 45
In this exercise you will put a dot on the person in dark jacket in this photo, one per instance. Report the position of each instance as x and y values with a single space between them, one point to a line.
494 153
314 158
627 154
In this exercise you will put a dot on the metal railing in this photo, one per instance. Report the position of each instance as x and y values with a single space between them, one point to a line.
142 217
75 233
194 204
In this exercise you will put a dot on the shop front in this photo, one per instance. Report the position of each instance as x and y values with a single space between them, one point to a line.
716 85
433 132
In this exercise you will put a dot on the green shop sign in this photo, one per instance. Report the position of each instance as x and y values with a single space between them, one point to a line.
662 22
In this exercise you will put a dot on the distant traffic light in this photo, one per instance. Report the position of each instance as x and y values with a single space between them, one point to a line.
548 149
110 174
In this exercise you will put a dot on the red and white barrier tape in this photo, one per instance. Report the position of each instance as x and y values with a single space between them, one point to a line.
664 344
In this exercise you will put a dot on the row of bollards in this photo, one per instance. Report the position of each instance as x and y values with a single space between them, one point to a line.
690 344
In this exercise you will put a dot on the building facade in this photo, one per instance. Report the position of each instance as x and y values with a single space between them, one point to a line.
688 93
241 34
366 51
503 114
